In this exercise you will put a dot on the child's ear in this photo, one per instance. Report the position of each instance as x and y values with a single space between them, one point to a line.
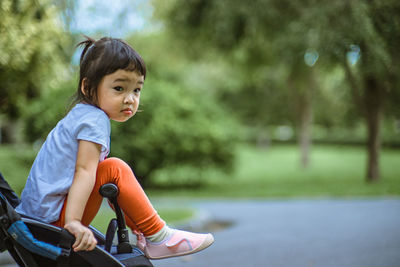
83 85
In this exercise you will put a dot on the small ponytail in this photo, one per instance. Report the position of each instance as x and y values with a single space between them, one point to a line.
87 44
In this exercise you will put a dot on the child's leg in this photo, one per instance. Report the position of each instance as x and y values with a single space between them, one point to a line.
139 212
132 199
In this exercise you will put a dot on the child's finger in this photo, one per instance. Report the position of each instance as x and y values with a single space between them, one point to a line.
78 239
83 242
93 243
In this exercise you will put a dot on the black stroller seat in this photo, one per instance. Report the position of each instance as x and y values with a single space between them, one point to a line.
32 243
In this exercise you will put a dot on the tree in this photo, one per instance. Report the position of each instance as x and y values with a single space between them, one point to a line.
273 32
258 39
372 30
33 49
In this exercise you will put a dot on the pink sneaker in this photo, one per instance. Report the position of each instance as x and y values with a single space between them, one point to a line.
180 243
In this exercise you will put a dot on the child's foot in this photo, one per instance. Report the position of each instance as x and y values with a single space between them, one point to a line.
180 243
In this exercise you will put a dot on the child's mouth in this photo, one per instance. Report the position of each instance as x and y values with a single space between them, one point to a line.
127 111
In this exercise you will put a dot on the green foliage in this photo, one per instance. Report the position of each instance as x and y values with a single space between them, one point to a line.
260 36
311 39
180 136
251 37
32 52
333 101
180 131
42 114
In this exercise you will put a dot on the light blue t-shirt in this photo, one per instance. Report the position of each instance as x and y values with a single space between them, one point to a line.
53 170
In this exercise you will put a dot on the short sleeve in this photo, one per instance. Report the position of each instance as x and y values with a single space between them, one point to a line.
96 130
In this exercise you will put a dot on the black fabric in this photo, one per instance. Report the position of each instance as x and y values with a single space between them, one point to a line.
139 261
8 193
10 247
7 213
111 229
134 259
66 241
26 256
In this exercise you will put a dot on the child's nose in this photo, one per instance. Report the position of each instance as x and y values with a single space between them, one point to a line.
130 98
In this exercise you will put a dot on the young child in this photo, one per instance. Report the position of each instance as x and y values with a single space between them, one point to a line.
63 184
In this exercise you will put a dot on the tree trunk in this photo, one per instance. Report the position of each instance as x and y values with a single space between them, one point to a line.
373 116
8 132
306 120
305 129
302 93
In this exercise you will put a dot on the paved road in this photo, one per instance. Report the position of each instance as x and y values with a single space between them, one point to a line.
309 233
299 233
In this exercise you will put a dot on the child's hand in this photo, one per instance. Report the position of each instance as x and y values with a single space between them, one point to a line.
85 239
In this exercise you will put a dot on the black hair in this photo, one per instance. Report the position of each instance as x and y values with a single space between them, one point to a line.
100 58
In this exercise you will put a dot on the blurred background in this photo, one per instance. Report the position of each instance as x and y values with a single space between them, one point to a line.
259 99
268 100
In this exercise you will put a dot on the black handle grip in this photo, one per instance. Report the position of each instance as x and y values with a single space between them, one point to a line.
109 190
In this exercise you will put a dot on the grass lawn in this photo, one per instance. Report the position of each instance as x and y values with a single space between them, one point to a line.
15 163
264 172
260 172
275 172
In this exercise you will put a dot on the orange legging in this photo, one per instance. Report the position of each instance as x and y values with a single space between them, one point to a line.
139 212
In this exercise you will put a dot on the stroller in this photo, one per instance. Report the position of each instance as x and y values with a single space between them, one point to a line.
32 243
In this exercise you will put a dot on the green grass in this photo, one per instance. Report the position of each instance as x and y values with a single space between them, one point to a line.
276 172
15 163
264 172
273 172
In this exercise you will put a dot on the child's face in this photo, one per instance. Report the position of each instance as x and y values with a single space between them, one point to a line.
118 94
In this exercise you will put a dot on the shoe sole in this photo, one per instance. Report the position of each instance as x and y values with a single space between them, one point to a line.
207 242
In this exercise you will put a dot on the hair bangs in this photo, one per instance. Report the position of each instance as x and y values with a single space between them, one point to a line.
121 56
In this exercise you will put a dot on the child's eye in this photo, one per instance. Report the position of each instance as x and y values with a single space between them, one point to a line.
118 88
137 90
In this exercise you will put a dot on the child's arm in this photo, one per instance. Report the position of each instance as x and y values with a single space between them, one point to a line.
78 195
